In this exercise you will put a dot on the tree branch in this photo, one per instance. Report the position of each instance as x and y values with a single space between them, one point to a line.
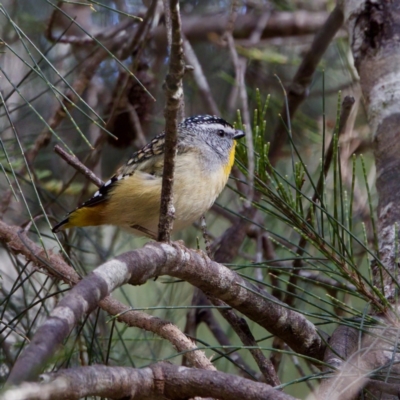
161 380
74 162
55 265
298 89
153 260
280 24
174 94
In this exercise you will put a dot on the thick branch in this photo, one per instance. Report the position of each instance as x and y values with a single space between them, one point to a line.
341 345
161 380
153 260
280 24
55 265
374 28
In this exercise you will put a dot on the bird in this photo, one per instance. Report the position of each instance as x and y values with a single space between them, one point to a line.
131 198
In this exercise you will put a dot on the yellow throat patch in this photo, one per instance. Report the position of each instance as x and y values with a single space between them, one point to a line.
231 160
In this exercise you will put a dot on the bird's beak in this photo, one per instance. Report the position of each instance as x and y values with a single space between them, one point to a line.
238 134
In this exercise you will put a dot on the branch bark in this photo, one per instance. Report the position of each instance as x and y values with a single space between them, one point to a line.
74 162
375 30
153 260
174 94
56 266
280 24
159 381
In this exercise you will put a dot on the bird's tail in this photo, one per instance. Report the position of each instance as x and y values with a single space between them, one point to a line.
64 224
82 216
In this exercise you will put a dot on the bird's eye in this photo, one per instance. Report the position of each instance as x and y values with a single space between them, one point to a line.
221 133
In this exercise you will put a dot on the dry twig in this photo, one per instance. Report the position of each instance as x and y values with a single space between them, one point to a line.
74 162
174 95
298 89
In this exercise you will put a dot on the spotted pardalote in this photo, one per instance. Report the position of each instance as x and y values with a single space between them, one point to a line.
131 198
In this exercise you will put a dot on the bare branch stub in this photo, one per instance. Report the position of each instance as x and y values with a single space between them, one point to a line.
74 162
174 95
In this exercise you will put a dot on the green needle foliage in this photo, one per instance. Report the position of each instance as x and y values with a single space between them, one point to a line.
318 213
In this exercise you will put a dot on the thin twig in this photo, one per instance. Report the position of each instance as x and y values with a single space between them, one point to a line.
296 363
229 247
80 33
242 329
197 315
298 90
240 71
201 80
174 94
43 139
74 162
347 106
276 355
136 45
137 125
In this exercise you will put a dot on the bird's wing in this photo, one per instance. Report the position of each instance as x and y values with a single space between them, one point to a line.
144 160
147 153
102 193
